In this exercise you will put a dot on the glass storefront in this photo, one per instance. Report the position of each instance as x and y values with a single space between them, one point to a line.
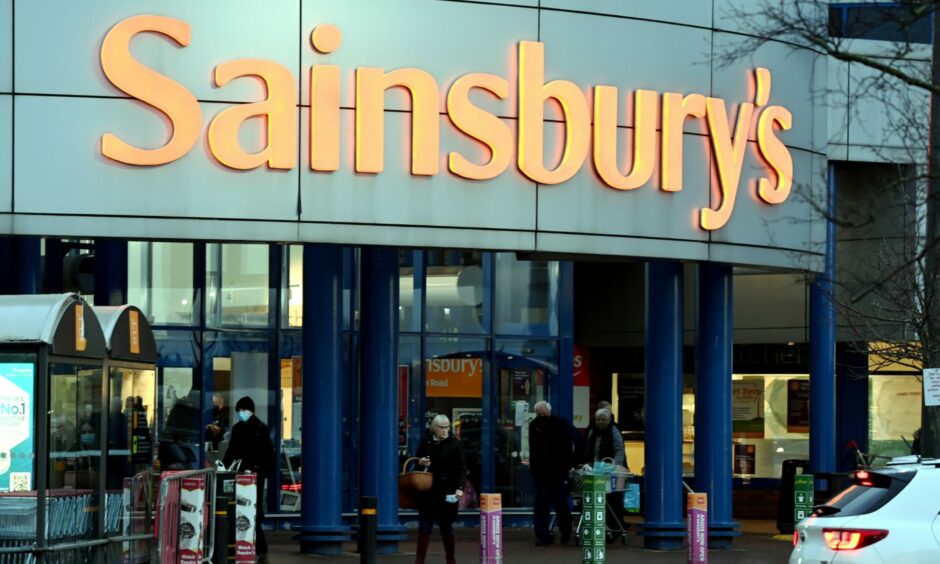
478 342
891 420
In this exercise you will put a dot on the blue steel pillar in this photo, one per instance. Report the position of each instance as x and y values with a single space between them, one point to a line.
822 362
20 259
852 408
321 515
713 347
664 528
110 272
378 390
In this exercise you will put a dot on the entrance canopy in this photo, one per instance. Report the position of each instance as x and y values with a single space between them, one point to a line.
62 321
127 333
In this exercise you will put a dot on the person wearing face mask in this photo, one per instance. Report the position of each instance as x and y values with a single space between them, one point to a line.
251 443
442 454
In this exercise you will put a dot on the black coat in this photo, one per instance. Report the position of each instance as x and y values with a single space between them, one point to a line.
553 447
450 473
251 443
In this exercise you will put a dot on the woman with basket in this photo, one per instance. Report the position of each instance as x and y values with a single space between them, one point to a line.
442 454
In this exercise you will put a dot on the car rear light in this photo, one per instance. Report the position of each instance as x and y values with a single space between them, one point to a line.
290 487
796 538
863 478
852 539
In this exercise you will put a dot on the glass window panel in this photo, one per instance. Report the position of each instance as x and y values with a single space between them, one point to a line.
409 297
180 421
524 370
295 286
238 285
526 296
160 281
891 419
131 440
454 369
454 292
75 448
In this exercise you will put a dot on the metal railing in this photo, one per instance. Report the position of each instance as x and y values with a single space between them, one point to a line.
172 484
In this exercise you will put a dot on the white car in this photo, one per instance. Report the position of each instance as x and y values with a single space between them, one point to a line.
888 515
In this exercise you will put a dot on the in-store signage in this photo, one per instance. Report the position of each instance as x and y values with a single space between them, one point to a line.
590 121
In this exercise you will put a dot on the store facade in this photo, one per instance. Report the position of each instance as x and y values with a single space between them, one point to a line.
361 216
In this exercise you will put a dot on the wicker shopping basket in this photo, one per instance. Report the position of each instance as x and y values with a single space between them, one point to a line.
414 480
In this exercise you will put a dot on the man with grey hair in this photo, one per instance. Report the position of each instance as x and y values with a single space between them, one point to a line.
553 453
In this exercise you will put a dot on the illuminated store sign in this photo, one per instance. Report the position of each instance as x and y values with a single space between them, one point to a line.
581 127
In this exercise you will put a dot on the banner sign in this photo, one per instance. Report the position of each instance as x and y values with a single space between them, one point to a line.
246 496
191 520
931 387
16 426
747 408
454 377
698 528
798 406
491 528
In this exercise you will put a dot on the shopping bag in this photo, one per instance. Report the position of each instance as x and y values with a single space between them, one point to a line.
631 498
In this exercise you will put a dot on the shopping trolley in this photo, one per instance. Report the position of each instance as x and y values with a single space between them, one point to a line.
617 479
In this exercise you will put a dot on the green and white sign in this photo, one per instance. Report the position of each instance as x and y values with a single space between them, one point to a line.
802 496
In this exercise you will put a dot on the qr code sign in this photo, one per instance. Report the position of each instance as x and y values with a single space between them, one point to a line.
19 481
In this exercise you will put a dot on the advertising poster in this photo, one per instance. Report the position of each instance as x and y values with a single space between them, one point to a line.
631 388
192 500
697 528
798 406
454 377
16 426
582 388
246 493
745 459
747 408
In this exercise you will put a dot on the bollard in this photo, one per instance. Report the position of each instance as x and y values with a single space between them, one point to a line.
491 528
698 528
367 524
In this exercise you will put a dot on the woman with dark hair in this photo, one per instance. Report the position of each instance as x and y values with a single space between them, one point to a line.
442 454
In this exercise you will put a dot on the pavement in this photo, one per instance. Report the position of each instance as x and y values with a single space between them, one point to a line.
756 545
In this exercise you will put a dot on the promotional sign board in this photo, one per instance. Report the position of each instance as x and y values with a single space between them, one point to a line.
747 408
698 528
798 406
931 387
246 496
745 459
191 520
16 426
802 496
594 518
454 377
491 528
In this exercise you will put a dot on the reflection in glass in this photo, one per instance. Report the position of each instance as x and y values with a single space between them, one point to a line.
454 292
75 442
525 369
237 285
160 281
180 422
526 299
453 382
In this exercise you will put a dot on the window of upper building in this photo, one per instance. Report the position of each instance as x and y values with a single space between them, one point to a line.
881 21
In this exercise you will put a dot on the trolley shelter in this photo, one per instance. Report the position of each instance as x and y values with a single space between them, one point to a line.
51 426
130 426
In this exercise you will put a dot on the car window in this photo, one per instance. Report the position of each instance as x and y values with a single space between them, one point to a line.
860 499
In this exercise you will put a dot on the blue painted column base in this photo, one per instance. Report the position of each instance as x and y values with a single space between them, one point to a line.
663 536
322 541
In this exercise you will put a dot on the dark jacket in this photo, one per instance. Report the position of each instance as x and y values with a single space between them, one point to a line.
251 443
450 472
553 447
610 446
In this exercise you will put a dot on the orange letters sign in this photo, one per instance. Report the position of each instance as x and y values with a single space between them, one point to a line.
454 377
728 139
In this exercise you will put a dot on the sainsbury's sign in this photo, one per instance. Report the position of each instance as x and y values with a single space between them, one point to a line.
590 122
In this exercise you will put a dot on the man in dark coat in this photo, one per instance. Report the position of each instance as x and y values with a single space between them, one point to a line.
553 445
251 443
